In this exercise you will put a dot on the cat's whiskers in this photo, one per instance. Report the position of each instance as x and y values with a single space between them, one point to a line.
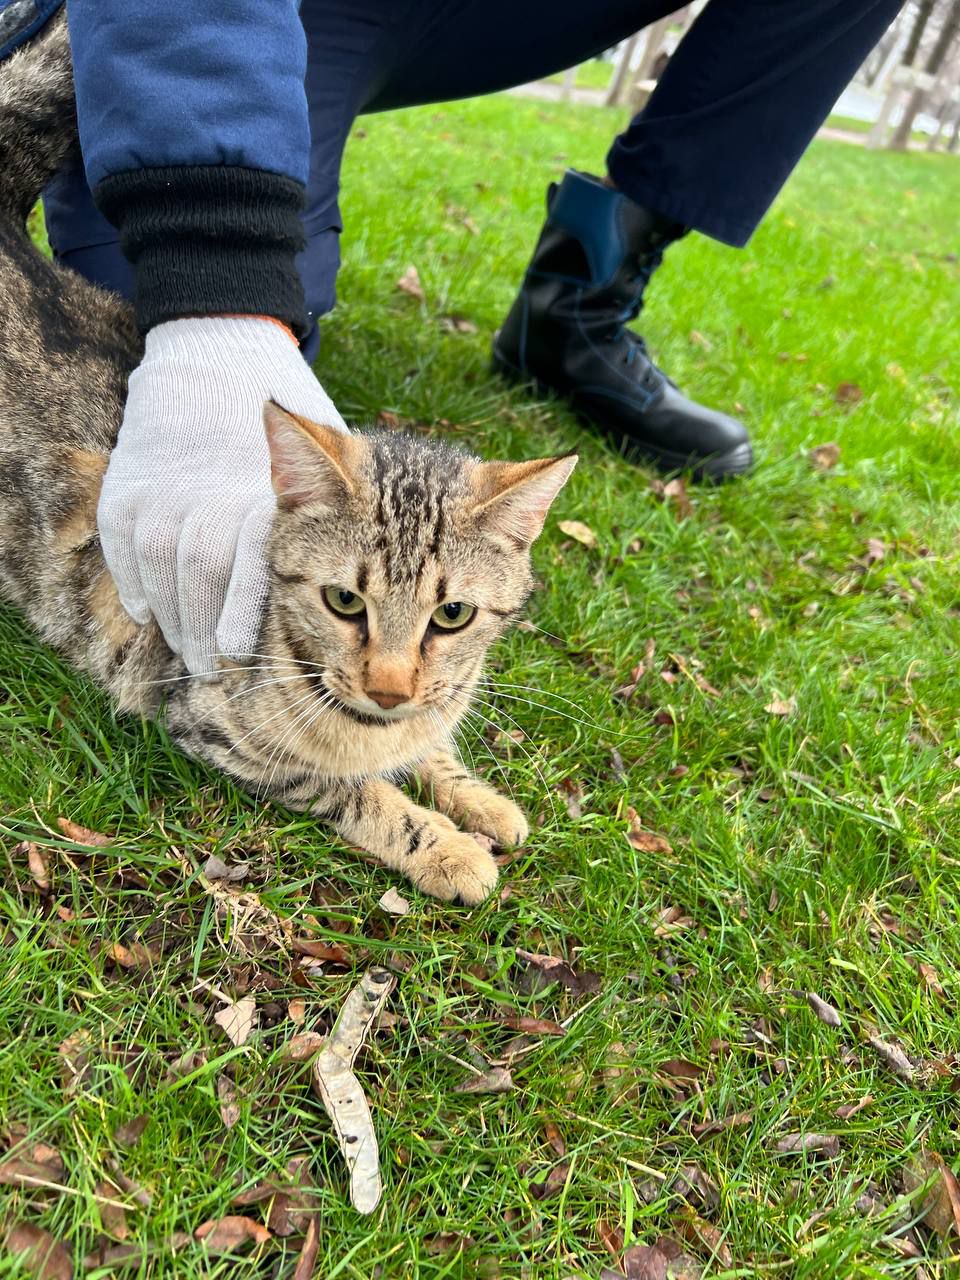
474 710
306 719
285 710
501 691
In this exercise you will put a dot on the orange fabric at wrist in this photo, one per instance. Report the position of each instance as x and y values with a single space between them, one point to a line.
229 315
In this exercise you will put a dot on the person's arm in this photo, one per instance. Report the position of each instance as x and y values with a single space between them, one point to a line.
194 132
195 138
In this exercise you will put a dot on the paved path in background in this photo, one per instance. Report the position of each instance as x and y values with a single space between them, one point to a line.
550 91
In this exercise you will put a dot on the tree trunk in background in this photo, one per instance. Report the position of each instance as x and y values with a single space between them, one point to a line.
955 136
924 11
569 84
933 66
622 75
655 36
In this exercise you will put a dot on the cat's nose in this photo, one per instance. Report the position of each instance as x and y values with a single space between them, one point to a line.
387 698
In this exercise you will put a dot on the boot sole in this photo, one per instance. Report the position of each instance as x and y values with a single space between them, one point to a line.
720 466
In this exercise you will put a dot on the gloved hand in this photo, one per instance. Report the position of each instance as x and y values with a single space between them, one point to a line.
187 504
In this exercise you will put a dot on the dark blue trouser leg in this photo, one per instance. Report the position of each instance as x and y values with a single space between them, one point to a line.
746 90
740 100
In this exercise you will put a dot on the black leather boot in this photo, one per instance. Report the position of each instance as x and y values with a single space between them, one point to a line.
566 332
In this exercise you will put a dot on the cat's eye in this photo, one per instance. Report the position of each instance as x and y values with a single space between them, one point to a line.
452 616
345 603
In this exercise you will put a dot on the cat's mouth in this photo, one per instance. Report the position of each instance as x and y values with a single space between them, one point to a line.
369 719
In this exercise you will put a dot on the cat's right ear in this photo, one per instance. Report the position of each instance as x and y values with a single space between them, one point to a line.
308 462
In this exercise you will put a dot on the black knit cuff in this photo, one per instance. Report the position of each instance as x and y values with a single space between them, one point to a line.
209 239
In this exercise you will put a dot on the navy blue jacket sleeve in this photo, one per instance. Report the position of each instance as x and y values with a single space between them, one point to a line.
195 137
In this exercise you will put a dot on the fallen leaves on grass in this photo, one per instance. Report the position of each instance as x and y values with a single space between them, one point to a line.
848 394
552 1184
579 531
781 706
41 1255
42 1168
824 456
496 1080
134 956
83 835
113 1216
293 1203
409 283
446 1242
340 1091
931 978
706 1128
645 841
531 1026
36 862
940 1202
238 1019
644 1262
674 494
308 1254
554 969
225 1235
227 1098
848 1109
457 323
825 1144
699 1233
393 903
303 1046
130 1133
572 793
555 1138
824 1011
894 1057
671 920
329 952
296 1010
216 869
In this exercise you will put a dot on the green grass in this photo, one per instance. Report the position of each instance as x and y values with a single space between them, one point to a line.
813 852
594 74
853 125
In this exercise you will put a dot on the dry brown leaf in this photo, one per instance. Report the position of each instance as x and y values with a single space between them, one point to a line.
496 1080
42 1256
553 969
531 1026
825 1012
216 869
825 1144
733 1121
699 1233
225 1235
848 1109
552 1184
894 1057
130 1133
308 1254
134 956
848 393
457 323
697 1188
671 920
296 1010
227 1098
37 863
579 531
25 1172
940 1204
697 339
931 978
781 706
824 456
875 552
644 1262
572 793
393 903
329 952
113 1216
115 1256
645 841
302 1047
83 835
555 1138
675 491
611 1238
447 1242
238 1019
409 283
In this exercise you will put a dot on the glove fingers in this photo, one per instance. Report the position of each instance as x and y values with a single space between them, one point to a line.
115 525
242 613
206 556
155 543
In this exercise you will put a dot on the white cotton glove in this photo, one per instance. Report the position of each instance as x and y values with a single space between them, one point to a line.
187 504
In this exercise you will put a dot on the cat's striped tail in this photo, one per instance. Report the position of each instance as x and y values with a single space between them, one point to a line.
38 121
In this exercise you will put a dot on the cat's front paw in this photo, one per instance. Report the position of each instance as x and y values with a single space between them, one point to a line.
456 867
495 816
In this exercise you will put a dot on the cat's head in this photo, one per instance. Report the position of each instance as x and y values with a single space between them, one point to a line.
397 561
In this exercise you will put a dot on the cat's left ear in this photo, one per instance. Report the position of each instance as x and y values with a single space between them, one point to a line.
514 497
309 462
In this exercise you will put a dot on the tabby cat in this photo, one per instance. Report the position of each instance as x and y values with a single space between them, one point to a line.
395 561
